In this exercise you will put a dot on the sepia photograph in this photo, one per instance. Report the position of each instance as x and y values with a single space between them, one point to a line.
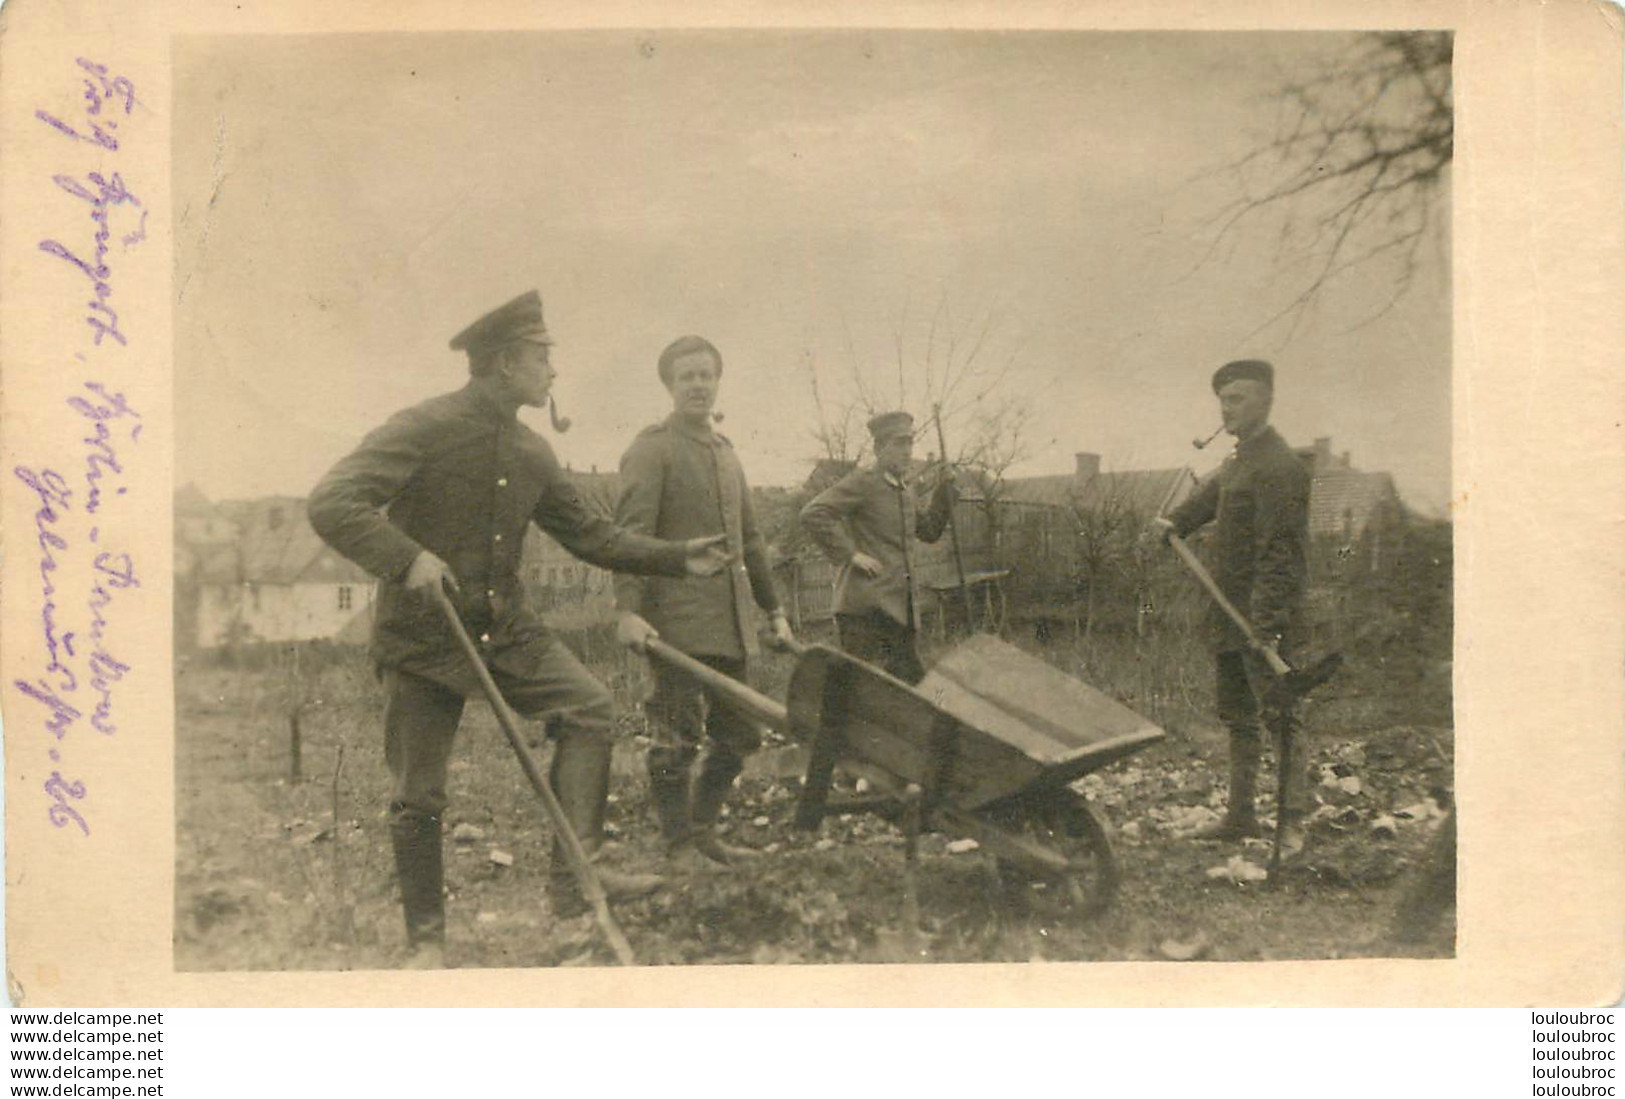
787 497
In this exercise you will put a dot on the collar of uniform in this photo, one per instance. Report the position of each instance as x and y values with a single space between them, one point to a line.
1258 442
683 427
894 482
485 405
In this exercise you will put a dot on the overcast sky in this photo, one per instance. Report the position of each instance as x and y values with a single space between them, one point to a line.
805 200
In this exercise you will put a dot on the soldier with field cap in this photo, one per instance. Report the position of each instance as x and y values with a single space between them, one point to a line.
1258 502
682 479
439 499
867 523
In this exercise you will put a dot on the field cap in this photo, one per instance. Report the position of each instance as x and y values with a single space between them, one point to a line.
520 319
1244 370
889 425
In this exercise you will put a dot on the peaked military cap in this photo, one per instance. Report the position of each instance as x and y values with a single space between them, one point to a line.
889 424
1250 370
520 319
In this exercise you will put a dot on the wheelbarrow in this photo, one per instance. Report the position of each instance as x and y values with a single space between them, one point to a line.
986 746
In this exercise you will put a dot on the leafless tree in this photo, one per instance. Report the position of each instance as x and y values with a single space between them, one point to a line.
1356 163
954 375
1106 519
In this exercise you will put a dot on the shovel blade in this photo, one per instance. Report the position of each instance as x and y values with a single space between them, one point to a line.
1300 681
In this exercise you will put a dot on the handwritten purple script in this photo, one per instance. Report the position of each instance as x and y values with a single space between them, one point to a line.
79 673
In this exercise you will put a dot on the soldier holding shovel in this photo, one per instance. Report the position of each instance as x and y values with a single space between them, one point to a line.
462 479
1259 505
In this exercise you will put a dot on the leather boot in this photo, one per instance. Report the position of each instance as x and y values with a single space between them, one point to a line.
668 790
1240 816
580 779
716 778
419 866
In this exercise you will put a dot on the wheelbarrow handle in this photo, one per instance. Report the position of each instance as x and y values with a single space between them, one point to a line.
773 641
753 703
591 888
1199 570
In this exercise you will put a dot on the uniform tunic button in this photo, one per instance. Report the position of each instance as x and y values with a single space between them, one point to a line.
485 637
490 593
502 482
499 538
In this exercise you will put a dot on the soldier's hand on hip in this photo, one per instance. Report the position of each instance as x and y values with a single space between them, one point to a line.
429 574
866 564
634 632
707 556
1160 529
782 634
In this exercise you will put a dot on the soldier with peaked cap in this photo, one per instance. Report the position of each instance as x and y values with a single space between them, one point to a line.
441 496
866 523
681 479
1258 502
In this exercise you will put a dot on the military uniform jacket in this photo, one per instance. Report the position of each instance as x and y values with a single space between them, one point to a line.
461 478
1259 504
869 512
679 481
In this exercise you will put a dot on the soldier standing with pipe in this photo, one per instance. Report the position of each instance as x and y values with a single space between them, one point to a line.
681 479
1259 503
462 479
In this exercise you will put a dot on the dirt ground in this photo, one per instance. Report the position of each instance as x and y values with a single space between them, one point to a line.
278 874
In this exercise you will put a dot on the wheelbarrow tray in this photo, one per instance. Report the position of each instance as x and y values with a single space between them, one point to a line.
987 723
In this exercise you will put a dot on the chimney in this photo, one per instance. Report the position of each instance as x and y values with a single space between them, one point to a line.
1345 460
1088 465
1323 452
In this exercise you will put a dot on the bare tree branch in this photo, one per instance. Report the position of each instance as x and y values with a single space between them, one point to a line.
1354 166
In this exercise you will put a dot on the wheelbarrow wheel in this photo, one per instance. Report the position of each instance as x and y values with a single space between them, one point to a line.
1067 825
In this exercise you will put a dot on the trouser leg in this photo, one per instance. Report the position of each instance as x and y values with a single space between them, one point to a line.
729 739
1282 718
876 638
420 725
682 715
676 723
1238 711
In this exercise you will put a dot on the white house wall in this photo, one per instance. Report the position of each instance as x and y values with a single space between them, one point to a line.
276 612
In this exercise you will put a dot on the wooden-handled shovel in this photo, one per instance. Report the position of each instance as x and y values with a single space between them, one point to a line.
591 888
1293 682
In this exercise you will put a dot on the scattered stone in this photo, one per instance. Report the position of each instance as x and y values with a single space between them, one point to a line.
761 822
1424 810
304 833
825 844
1130 831
1238 870
962 846
467 833
1385 827
500 857
1187 820
487 918
1187 950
